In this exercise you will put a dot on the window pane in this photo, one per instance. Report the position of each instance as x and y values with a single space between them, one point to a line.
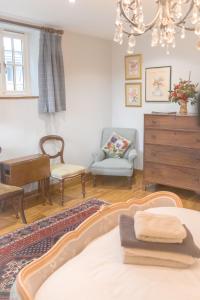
7 43
9 78
19 78
17 45
8 57
18 58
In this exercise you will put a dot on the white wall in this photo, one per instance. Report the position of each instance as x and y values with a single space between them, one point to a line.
88 87
183 59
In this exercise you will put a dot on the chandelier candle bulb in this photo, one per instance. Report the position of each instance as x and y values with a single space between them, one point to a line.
197 29
197 2
195 15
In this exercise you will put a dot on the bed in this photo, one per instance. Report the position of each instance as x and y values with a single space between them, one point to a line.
87 263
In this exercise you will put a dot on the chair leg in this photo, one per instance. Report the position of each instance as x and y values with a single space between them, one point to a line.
62 192
83 184
130 182
21 208
94 179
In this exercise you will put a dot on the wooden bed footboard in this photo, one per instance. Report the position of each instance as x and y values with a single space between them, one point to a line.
31 277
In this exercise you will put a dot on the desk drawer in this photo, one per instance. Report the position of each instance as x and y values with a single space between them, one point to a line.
174 176
190 139
175 156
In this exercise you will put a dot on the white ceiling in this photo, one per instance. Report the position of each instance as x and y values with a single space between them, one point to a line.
92 17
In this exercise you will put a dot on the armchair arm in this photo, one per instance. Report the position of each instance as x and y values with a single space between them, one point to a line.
132 155
98 156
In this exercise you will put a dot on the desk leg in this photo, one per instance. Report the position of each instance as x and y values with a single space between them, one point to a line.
62 187
83 184
43 190
15 205
48 190
21 208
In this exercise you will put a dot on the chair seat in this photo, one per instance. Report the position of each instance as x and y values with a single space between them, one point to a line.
9 189
112 166
62 171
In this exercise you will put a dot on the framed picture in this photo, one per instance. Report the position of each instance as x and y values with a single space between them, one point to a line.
157 84
133 67
133 94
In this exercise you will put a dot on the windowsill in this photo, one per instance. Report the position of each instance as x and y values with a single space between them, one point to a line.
18 97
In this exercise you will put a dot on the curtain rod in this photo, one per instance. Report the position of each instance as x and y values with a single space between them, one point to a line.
52 30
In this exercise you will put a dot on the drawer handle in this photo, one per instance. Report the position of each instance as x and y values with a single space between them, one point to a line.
153 136
153 154
154 122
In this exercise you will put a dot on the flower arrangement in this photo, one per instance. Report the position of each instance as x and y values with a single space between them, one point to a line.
184 91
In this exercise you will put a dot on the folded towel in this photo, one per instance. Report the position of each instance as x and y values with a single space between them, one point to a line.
139 260
161 255
129 240
158 228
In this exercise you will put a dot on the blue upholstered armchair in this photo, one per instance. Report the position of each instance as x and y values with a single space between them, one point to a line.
104 165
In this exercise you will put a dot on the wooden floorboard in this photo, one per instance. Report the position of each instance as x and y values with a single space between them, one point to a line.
111 189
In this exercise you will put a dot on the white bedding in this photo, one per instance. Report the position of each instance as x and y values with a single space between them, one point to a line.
98 273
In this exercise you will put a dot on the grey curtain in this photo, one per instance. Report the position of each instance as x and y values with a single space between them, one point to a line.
51 74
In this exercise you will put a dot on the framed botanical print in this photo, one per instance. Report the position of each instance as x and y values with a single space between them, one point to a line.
157 84
133 94
133 67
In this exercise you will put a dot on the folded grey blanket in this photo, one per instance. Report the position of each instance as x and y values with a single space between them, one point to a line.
128 240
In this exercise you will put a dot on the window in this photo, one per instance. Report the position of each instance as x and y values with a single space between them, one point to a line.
14 77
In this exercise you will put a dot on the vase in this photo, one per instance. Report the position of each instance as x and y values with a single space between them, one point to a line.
183 107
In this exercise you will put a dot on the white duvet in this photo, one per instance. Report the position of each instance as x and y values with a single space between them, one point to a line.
98 273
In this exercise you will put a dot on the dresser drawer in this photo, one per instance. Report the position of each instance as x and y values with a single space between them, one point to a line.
174 176
171 155
187 123
160 121
190 139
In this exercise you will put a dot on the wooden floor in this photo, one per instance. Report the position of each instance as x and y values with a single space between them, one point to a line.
111 189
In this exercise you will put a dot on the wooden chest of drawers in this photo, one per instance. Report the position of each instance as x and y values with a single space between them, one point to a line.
172 151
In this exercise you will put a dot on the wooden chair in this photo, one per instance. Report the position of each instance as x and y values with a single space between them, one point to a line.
9 192
62 171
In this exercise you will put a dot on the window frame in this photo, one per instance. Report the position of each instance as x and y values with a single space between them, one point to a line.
27 87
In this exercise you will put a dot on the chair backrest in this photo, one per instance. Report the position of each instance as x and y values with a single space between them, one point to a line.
128 133
48 138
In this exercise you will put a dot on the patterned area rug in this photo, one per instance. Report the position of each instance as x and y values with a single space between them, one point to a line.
19 248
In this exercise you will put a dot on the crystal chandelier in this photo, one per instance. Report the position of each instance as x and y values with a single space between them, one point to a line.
171 17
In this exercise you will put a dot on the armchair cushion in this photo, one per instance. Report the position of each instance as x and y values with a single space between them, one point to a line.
98 156
116 146
113 166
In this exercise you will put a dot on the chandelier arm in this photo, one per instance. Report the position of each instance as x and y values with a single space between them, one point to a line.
179 23
147 26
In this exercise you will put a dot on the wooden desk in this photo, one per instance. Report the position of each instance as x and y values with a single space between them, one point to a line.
28 169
